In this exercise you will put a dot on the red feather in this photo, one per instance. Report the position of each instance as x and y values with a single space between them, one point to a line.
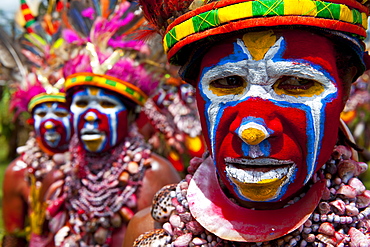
144 35
158 12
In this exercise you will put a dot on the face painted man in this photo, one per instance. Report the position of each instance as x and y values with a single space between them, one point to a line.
100 118
112 172
173 116
269 98
272 115
52 122
50 137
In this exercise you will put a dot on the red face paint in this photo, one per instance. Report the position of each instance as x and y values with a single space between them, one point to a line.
52 125
270 102
100 119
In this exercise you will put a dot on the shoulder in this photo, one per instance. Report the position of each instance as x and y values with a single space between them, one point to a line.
159 173
141 223
16 166
161 166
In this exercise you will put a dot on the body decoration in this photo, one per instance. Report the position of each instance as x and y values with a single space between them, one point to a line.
339 219
271 78
112 172
99 192
40 94
37 164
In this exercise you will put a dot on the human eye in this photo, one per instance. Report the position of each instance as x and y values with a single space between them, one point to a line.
228 85
297 86
41 113
61 114
107 104
82 103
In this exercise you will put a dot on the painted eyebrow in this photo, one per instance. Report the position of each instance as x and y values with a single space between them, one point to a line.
232 70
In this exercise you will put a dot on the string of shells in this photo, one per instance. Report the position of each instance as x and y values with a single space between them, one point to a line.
38 162
341 218
100 196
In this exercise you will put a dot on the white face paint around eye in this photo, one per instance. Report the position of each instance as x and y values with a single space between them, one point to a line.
52 125
241 92
260 76
97 114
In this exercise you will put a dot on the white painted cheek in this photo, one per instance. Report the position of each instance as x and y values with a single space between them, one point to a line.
77 114
114 128
37 125
212 112
316 109
67 127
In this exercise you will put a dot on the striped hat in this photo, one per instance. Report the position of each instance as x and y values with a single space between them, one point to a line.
45 98
183 23
114 84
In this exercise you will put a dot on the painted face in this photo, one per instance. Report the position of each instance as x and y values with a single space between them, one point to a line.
271 104
52 125
99 118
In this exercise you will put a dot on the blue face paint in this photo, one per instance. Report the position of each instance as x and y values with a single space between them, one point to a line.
100 118
52 126
242 98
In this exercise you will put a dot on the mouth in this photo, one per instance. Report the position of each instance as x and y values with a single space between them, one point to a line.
259 179
258 170
91 135
51 137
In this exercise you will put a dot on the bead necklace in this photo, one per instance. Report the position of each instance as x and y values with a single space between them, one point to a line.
38 162
340 219
100 191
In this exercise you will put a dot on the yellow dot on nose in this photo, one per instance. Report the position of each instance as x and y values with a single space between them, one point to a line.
90 118
49 125
253 136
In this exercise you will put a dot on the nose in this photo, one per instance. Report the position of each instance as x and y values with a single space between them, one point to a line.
252 133
49 125
90 117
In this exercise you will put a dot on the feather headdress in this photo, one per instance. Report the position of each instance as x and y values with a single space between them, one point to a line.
45 53
104 54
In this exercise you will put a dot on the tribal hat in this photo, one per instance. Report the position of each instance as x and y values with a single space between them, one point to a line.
184 23
45 98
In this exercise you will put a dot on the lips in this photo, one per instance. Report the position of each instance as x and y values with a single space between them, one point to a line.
259 179
91 135
52 137
258 170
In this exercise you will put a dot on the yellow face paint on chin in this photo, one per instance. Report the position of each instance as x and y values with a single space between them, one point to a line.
93 145
262 191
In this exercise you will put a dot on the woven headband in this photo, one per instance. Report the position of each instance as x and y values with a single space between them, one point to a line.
44 98
108 82
228 16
